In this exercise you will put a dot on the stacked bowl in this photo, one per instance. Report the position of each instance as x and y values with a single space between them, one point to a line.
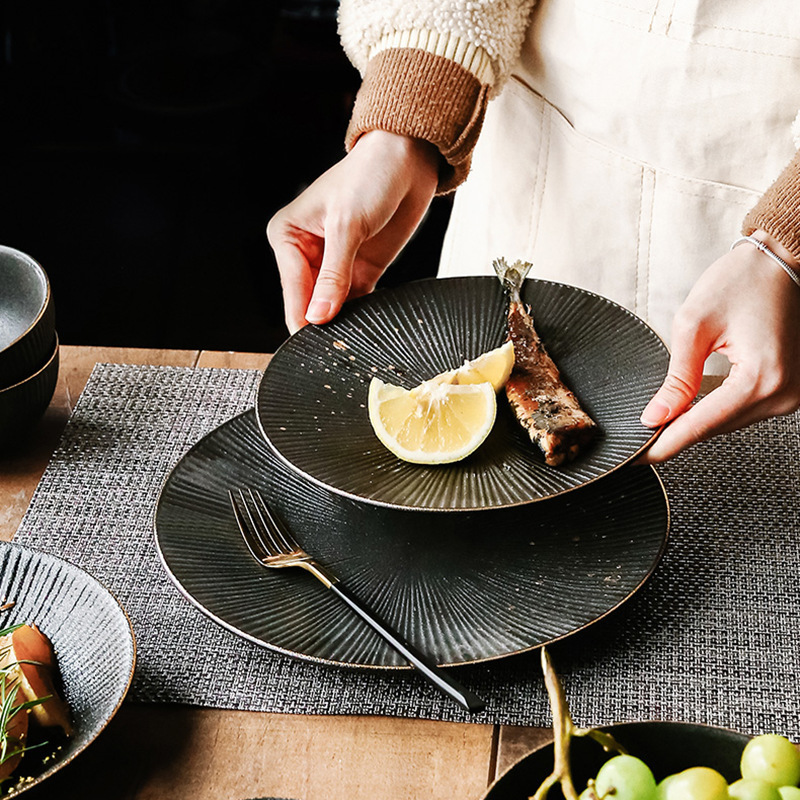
28 345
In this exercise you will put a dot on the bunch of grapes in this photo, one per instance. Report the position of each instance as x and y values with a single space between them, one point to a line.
770 767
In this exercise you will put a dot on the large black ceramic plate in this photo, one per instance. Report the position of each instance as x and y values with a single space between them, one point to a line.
92 638
462 587
312 401
667 748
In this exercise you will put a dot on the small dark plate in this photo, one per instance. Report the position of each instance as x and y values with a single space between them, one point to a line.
92 638
312 401
666 747
462 587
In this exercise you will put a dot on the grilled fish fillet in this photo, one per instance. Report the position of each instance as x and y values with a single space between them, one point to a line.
544 406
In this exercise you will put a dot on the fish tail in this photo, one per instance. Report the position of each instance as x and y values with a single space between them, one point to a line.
512 277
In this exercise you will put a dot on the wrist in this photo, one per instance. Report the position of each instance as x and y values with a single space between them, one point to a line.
401 149
773 244
766 252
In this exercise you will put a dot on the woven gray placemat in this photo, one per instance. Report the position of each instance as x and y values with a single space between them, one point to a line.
712 637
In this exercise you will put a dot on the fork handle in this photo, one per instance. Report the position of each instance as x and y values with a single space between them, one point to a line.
435 675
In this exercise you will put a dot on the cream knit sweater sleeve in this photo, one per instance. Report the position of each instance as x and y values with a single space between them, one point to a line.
483 36
429 68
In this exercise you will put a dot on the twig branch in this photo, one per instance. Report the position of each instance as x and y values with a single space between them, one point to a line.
564 731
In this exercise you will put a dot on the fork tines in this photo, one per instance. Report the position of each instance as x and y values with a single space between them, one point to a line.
256 517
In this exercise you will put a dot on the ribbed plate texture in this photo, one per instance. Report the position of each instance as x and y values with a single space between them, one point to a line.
312 401
464 588
90 632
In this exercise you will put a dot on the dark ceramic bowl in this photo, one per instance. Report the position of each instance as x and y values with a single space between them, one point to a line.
27 317
22 405
666 747
93 641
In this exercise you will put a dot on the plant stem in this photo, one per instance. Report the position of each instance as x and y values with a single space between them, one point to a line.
564 731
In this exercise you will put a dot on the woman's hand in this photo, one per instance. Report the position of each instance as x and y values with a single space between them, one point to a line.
336 239
748 309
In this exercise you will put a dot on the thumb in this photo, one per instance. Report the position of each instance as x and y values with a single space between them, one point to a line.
682 383
335 273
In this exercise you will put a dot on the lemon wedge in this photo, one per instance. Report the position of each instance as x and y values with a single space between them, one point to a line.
494 367
434 423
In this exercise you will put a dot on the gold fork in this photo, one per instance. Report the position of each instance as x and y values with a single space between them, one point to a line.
272 545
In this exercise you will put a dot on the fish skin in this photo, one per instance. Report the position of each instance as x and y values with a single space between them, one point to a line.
545 407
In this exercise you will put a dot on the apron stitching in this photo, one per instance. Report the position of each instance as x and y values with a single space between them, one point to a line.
607 155
638 243
541 171
649 242
612 157
629 7
709 196
652 14
669 17
736 49
619 22
670 21
713 187
737 30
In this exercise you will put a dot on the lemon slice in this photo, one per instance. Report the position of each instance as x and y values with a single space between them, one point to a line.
434 423
494 367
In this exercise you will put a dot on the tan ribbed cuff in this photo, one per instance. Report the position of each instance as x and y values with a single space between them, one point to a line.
424 96
778 210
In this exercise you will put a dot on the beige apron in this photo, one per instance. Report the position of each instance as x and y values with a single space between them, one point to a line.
630 143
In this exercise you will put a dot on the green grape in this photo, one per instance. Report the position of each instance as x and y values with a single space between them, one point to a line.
587 794
752 789
661 789
625 778
789 792
773 759
696 783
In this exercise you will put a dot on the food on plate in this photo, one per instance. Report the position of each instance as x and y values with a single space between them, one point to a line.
433 423
624 777
751 789
440 421
14 723
773 759
445 418
547 409
493 367
29 700
618 778
770 765
695 783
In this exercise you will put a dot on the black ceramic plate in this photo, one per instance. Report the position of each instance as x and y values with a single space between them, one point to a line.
462 587
92 638
667 747
312 401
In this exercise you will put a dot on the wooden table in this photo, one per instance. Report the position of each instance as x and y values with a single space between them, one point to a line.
178 752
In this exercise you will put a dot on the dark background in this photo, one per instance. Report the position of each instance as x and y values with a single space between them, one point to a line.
145 145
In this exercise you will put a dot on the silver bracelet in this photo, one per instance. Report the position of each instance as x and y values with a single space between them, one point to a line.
767 252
